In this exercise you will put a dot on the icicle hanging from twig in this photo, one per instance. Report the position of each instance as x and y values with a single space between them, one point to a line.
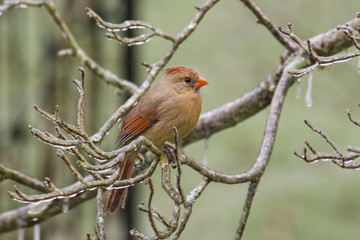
297 88
308 98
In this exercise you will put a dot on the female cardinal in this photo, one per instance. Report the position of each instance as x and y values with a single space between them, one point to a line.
175 101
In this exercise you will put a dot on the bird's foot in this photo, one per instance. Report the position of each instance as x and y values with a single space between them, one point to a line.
171 153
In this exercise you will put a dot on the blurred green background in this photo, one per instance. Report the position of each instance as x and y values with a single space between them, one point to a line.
295 200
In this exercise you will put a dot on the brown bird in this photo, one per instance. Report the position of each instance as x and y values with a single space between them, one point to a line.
175 101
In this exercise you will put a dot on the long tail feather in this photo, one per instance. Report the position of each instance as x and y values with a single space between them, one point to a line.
117 197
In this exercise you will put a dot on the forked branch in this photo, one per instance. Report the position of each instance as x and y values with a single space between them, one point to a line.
348 161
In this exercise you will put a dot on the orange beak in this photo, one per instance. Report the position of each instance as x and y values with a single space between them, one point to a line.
200 82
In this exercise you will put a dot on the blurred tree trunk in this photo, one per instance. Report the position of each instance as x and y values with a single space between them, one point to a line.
127 7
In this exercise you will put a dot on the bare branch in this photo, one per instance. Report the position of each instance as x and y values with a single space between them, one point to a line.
348 113
100 215
47 183
246 209
334 41
324 136
178 166
8 173
80 86
292 36
216 176
32 214
351 34
13 4
190 200
75 172
165 181
342 160
150 214
113 28
319 61
74 190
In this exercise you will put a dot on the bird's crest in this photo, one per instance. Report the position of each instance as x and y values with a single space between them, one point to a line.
175 70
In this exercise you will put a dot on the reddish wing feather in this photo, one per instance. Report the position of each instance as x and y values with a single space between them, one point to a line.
136 125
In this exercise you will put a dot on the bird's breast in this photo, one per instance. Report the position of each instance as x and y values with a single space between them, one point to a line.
181 112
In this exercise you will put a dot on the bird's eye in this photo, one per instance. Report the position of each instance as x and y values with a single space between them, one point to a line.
187 80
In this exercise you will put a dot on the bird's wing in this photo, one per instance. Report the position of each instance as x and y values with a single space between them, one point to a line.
135 124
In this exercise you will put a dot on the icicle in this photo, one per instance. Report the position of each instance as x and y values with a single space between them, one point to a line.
308 99
22 6
21 234
37 232
21 230
298 88
65 205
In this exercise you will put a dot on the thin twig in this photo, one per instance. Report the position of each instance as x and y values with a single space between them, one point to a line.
324 136
165 180
344 161
150 214
8 173
127 25
190 200
178 165
319 61
246 209
348 113
12 4
53 141
74 190
156 214
31 214
326 157
100 215
75 172
50 185
351 34
81 88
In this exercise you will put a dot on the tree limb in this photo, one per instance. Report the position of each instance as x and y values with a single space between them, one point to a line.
34 213
232 113
8 173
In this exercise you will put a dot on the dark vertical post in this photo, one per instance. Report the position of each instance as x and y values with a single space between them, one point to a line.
130 51
129 67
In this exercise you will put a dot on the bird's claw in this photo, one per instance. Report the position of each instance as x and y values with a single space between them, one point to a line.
170 152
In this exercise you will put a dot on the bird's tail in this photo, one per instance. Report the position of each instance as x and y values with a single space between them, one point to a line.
117 197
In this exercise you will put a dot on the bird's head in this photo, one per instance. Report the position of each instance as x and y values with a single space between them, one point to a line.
184 79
